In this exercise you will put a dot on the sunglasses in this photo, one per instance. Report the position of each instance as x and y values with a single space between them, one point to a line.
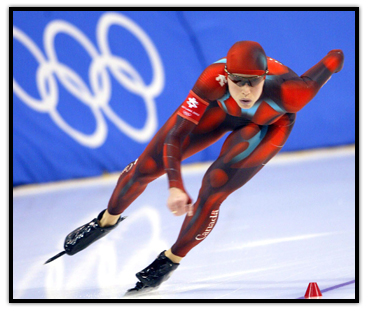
240 81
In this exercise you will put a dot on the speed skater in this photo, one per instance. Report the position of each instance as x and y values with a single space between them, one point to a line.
252 97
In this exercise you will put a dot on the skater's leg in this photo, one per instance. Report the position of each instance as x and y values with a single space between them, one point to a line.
172 257
108 219
149 166
137 175
243 154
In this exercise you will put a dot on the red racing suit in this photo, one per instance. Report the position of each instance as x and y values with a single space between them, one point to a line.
209 112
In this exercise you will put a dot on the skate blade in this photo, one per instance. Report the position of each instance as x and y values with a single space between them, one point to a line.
55 257
134 292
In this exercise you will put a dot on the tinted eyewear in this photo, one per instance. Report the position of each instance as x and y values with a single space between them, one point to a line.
240 81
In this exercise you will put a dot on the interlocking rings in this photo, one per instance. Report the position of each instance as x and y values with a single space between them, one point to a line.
97 94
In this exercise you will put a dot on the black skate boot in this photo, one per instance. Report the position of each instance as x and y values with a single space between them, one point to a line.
151 277
84 236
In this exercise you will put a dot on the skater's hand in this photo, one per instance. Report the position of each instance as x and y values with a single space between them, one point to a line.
338 58
179 202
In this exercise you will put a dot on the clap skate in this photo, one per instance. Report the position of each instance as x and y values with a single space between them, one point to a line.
84 236
151 277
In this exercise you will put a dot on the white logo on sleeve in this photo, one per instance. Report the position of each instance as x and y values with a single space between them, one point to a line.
192 102
221 79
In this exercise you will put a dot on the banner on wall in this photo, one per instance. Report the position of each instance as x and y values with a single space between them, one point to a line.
91 88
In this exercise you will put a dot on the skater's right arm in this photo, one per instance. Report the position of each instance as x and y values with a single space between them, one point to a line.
206 88
172 152
178 201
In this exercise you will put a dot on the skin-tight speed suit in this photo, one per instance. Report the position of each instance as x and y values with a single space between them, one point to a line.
209 112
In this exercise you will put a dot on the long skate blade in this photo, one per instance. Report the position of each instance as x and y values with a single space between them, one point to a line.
55 257
139 290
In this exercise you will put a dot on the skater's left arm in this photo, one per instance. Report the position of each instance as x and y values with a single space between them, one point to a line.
296 91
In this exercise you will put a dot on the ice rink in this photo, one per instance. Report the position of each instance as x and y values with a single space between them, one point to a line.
292 224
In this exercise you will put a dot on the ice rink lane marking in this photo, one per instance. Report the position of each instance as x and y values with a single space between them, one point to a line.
274 241
333 287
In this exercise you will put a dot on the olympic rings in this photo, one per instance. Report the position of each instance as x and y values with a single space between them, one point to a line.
96 95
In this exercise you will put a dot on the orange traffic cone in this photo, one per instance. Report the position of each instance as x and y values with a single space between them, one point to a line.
313 292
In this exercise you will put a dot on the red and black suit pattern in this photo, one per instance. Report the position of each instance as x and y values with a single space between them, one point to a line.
209 112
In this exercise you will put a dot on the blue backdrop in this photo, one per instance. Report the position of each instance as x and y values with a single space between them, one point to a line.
90 88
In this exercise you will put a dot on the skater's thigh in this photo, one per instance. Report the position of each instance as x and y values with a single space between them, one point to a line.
213 125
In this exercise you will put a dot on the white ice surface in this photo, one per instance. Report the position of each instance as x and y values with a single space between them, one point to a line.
292 224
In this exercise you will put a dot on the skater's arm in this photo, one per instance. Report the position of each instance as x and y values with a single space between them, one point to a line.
188 116
208 87
179 201
296 92
173 151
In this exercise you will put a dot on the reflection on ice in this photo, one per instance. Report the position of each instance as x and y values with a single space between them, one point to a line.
291 225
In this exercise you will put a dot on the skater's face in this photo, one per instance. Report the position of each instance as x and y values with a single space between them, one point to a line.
245 89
